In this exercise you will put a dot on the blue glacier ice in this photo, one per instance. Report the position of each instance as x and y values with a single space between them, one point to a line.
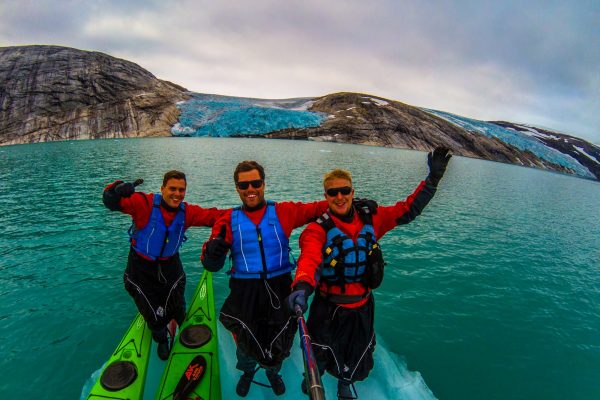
214 115
520 140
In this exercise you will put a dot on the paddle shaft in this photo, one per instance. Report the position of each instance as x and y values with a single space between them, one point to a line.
313 377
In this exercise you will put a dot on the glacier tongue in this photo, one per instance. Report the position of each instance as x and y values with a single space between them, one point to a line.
213 115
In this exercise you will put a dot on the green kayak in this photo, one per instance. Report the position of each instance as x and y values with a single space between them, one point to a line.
192 370
124 374
197 341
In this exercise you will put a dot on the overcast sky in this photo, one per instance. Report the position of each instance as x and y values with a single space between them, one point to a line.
535 62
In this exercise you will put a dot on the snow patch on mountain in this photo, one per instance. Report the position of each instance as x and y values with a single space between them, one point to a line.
582 151
531 131
373 100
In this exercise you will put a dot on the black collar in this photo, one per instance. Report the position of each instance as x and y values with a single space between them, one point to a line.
167 207
255 208
345 218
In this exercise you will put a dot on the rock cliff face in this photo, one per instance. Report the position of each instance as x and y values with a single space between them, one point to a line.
364 119
55 93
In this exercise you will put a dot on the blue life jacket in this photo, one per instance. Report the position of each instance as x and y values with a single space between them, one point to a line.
343 260
259 251
155 240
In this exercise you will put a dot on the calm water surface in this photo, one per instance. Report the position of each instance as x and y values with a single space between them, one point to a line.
494 292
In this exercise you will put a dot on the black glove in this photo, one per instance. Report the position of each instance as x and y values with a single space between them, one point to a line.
217 247
437 161
126 189
360 204
298 297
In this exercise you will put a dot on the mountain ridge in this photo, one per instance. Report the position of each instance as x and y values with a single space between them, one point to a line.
53 93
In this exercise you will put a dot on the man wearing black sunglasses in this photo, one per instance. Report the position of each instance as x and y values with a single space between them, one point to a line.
341 248
258 235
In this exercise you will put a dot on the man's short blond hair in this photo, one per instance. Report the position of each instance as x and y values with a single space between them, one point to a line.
337 174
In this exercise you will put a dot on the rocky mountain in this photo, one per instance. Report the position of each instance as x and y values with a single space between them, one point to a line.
56 93
370 120
586 153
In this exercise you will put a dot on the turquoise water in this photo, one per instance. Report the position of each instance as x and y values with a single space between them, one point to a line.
494 292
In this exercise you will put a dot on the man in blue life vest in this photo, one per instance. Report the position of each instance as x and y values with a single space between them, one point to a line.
340 257
258 234
154 276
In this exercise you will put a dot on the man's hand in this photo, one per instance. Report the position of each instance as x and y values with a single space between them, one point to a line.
217 247
298 297
127 189
437 161
371 205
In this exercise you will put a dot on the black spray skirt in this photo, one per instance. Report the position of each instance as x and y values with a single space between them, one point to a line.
158 289
343 338
254 312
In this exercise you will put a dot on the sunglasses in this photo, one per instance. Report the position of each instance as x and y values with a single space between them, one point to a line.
256 184
346 190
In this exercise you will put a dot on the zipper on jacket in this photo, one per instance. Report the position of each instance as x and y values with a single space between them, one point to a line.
262 251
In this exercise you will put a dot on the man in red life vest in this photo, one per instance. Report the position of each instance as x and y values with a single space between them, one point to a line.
340 258
154 276
257 232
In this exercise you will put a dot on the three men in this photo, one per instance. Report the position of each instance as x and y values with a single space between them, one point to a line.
154 276
341 261
340 257
258 234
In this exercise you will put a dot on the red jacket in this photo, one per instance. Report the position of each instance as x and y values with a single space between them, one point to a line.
291 215
139 206
314 238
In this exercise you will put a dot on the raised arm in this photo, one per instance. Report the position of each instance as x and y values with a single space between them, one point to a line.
121 196
405 211
114 192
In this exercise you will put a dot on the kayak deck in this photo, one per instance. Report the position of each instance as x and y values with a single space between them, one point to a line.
197 336
129 364
134 349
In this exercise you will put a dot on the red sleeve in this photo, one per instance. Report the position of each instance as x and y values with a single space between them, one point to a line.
295 214
386 218
198 216
224 219
139 206
312 240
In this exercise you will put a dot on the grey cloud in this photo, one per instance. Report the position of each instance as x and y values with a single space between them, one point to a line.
531 59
